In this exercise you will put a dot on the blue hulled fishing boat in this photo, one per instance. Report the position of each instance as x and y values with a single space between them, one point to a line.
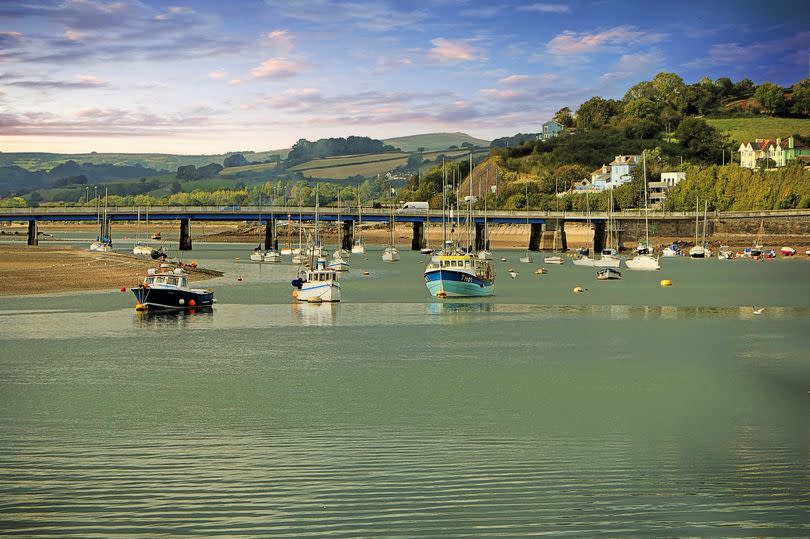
168 289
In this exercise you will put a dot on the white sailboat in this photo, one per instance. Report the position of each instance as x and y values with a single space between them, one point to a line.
485 253
700 250
391 253
644 260
103 243
272 255
141 247
527 258
340 253
609 258
359 246
258 254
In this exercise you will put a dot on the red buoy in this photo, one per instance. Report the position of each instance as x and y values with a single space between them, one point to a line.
192 303
123 289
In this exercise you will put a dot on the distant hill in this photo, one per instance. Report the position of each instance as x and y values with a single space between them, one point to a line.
434 141
748 129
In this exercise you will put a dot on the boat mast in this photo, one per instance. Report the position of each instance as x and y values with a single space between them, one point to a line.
705 210
470 211
697 209
444 205
646 211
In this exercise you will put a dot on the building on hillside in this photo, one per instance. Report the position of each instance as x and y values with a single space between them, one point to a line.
620 169
794 149
550 130
658 190
600 178
751 152
780 151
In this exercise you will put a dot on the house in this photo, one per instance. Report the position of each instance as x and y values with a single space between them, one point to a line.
620 169
780 151
600 177
550 130
795 149
750 152
658 190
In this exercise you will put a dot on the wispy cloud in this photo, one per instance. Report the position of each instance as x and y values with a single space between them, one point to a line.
545 8
218 74
569 42
81 83
513 80
736 53
481 12
278 69
447 51
376 15
635 65
280 40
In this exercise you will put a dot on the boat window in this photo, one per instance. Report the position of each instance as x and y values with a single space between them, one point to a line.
160 280
181 281
150 280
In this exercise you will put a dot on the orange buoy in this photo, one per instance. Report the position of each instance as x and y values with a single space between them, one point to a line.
123 289
191 303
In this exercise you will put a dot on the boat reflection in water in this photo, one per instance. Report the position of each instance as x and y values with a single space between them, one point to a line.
315 314
174 317
458 307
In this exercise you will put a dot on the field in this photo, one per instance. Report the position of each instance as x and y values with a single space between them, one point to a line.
434 141
249 169
748 129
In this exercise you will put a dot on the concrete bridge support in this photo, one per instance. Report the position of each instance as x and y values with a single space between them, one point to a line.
33 233
185 235
347 238
534 236
481 239
270 236
418 240
553 236
598 237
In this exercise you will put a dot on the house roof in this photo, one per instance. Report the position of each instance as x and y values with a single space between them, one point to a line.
626 160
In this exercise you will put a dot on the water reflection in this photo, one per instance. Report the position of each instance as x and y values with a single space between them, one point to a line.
316 314
163 318
459 307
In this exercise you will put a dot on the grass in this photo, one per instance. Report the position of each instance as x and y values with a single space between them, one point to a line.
748 129
235 171
364 169
434 141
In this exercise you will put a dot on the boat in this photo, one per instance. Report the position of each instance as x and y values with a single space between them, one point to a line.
450 274
258 254
608 274
391 253
644 259
540 271
359 246
156 236
167 288
583 251
485 253
426 251
288 250
787 251
316 285
141 247
103 243
558 260
527 258
608 257
272 256
700 250
339 264
725 253
672 250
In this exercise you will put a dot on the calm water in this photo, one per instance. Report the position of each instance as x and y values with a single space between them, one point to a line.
629 410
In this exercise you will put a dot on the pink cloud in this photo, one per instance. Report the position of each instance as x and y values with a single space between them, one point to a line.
504 95
447 51
218 74
514 80
276 69
620 36
280 40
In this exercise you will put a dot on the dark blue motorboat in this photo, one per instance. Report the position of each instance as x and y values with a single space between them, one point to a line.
168 289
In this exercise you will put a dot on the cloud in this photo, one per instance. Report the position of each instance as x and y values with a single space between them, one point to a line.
635 65
515 79
734 54
218 74
83 82
570 42
372 15
545 8
481 12
277 69
504 95
447 51
280 40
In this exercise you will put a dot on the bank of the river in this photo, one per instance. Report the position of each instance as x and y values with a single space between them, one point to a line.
43 269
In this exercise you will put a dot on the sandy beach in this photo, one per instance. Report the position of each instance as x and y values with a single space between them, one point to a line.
43 269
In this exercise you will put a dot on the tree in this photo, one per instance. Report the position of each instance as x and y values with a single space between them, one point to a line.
596 112
724 87
744 88
564 117
699 138
670 89
176 187
642 108
771 97
801 97
235 160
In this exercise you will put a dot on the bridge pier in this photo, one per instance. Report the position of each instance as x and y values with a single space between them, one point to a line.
33 233
418 239
185 235
481 239
270 236
347 241
534 236
598 237
553 236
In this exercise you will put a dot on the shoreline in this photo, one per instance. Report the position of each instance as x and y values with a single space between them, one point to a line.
44 269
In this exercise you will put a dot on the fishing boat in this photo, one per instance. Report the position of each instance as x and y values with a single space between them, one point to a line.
700 250
316 285
608 274
558 260
454 275
644 259
166 288
787 251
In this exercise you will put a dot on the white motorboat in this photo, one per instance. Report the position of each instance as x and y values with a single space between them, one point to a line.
699 251
317 285
558 260
338 264
390 254
725 253
526 259
272 256
643 263
672 250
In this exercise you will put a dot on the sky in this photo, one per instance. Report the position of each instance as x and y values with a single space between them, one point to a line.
196 77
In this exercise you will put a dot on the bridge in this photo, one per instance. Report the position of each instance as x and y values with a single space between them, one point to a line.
546 226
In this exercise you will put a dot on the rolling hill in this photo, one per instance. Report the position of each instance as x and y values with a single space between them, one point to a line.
748 129
434 141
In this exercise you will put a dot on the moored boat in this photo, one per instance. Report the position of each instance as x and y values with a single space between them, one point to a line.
165 288
558 260
459 276
606 274
787 251
725 253
317 285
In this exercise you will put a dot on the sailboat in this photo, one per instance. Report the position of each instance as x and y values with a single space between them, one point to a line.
298 256
450 274
755 251
391 253
287 251
272 255
700 250
556 259
103 243
527 258
359 246
340 252
258 255
644 261
317 249
609 257
485 253
141 247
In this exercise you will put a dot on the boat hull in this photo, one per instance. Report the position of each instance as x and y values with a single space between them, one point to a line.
643 263
316 292
167 298
448 283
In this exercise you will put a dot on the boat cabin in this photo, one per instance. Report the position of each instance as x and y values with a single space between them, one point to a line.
470 263
167 279
321 275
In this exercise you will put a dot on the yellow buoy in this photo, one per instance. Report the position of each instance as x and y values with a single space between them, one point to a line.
140 307
665 282
578 290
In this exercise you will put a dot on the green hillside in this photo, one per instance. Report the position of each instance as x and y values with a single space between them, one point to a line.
434 141
747 129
